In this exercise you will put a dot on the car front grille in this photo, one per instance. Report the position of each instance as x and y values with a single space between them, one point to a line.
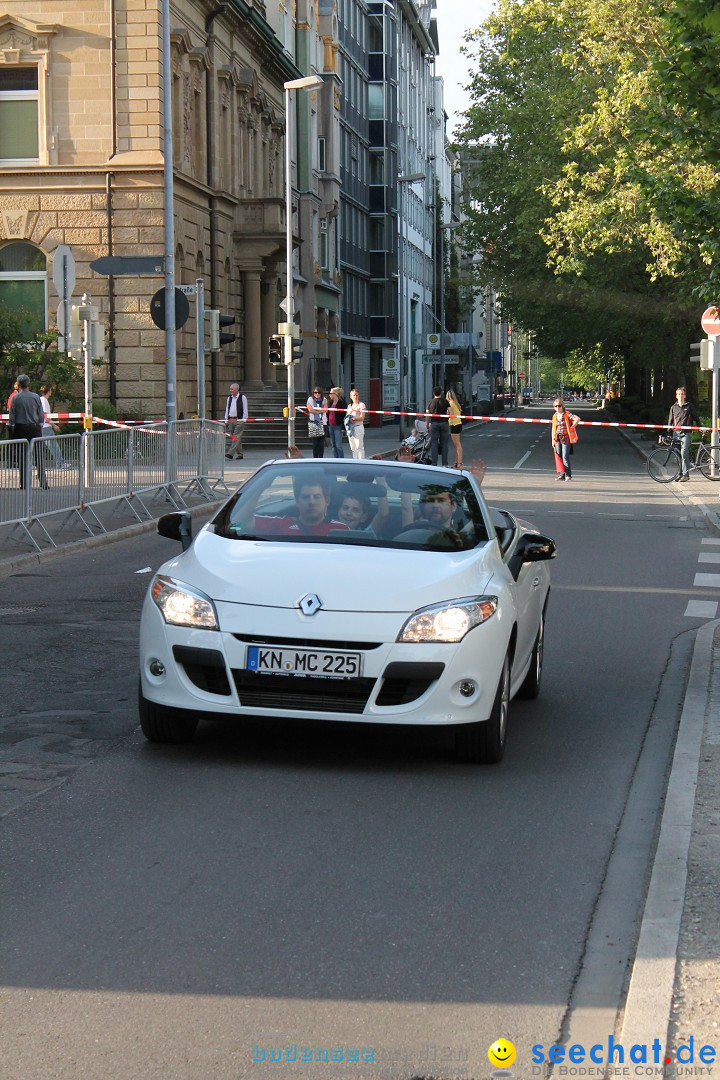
307 643
302 694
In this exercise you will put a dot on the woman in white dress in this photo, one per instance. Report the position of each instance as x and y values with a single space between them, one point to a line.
354 424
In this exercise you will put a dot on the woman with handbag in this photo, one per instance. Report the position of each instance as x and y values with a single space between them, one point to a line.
563 435
317 421
355 424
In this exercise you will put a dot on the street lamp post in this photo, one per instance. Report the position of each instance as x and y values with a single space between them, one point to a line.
408 178
310 82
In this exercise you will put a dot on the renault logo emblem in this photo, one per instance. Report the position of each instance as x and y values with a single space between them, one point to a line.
310 604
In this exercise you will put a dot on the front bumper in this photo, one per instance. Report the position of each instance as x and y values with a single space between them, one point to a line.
205 671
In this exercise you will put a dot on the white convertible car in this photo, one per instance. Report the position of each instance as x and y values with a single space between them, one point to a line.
369 591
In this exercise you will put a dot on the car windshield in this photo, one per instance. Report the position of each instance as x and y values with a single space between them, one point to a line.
376 504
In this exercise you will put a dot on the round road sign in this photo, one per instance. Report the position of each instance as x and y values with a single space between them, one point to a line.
157 309
710 321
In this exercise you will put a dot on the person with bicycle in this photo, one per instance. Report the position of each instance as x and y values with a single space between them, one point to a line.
683 415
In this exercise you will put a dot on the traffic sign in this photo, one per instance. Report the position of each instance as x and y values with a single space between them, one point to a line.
64 271
128 265
157 309
189 290
710 321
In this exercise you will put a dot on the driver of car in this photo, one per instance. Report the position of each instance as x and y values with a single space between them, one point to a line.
439 508
312 499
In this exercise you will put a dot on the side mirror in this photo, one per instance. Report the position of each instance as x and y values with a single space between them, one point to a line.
176 526
531 547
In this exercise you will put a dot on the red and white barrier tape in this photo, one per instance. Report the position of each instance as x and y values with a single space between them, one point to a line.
302 410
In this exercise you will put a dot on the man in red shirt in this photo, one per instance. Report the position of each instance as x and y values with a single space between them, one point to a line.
312 498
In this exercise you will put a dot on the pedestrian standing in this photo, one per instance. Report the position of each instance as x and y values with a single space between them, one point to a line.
26 421
355 424
236 414
439 427
563 435
317 405
682 414
454 413
50 429
13 392
335 416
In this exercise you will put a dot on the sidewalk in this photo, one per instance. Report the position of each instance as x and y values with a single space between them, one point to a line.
703 493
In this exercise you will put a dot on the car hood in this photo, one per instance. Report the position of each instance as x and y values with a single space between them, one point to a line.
363 579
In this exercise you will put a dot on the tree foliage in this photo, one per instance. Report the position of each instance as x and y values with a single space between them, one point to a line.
583 200
37 357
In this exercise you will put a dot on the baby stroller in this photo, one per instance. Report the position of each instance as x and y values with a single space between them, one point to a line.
415 448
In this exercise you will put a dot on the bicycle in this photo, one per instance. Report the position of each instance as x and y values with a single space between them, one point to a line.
665 463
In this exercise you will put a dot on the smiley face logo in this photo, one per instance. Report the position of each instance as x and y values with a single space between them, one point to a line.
501 1053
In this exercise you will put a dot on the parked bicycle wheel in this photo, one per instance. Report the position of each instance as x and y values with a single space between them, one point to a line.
664 464
705 465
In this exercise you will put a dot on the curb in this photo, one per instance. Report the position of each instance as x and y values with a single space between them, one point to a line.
648 1005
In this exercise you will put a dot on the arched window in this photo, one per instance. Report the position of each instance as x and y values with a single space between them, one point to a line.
23 284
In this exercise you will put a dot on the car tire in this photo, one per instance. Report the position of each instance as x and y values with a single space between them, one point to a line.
162 725
483 743
530 686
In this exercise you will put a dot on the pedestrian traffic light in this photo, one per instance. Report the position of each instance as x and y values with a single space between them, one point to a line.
297 347
276 350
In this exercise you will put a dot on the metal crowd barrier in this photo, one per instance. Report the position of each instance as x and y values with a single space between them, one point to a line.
70 475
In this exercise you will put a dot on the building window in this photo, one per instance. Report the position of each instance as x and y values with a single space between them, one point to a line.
23 285
324 244
19 115
322 154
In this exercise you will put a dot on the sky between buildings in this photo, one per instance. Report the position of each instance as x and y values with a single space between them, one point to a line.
454 17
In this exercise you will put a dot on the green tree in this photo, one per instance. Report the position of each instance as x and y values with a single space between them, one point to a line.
558 199
34 353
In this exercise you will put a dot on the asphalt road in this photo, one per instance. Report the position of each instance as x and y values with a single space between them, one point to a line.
178 912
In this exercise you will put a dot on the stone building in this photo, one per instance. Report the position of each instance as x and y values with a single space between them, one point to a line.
81 164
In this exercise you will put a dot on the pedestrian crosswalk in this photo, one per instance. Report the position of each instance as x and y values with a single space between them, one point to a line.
709 556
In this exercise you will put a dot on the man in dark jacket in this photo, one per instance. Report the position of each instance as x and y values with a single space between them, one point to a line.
439 426
682 414
26 421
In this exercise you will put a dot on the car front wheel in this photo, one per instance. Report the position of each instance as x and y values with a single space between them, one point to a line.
484 743
161 725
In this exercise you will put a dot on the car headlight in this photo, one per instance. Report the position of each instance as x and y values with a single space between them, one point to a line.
449 621
181 605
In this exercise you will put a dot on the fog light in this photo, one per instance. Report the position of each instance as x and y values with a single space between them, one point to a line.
467 689
156 667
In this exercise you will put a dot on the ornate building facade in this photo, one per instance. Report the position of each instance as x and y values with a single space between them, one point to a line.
81 164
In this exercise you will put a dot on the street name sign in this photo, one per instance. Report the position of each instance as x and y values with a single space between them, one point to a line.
128 265
64 271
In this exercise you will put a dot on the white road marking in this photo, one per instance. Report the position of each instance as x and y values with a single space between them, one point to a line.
706 541
709 557
702 609
522 459
707 581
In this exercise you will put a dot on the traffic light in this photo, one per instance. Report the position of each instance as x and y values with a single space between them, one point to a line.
217 338
226 320
705 355
275 343
297 347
